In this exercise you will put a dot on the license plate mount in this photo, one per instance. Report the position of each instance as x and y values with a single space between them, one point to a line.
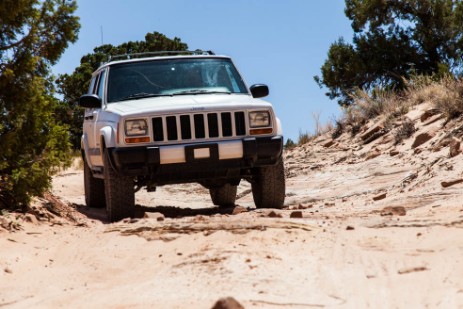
198 153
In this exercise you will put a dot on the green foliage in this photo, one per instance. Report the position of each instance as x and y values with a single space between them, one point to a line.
74 85
394 40
33 35
290 144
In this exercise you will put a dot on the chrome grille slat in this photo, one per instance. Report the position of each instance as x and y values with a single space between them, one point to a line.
219 123
198 126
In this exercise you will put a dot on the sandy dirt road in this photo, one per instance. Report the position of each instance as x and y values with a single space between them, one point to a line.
361 229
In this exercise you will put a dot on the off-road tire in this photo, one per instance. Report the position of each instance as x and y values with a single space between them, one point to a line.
268 186
94 189
224 196
120 193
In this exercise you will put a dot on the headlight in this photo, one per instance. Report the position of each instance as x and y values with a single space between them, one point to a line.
259 119
136 127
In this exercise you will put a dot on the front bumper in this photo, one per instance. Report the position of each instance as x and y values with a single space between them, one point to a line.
195 162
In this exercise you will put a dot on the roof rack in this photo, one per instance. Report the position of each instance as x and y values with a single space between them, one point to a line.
160 53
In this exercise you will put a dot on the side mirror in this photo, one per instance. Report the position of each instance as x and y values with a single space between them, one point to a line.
259 91
90 101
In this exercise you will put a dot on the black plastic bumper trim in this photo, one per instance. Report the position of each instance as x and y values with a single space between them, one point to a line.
258 151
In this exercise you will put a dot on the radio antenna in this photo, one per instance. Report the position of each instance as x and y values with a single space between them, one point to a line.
101 27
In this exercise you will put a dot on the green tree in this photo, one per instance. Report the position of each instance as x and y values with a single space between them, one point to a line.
72 86
33 35
392 41
290 144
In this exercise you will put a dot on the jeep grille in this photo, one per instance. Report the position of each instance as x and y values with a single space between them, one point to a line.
198 126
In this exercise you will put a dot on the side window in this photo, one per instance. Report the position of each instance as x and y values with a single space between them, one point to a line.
101 84
92 85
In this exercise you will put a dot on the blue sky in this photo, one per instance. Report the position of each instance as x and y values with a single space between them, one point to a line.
279 43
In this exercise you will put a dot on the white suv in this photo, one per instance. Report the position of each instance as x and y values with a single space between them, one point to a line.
178 117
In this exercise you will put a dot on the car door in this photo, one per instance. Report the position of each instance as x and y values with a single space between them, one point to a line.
91 118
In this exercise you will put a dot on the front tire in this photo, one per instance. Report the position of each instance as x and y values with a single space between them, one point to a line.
224 196
94 189
268 186
120 193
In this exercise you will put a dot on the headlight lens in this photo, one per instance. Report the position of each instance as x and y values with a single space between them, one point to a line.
259 119
136 127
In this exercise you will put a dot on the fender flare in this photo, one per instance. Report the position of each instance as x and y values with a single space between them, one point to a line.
107 138
279 127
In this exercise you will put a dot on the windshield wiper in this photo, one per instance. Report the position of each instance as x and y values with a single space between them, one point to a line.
142 95
199 91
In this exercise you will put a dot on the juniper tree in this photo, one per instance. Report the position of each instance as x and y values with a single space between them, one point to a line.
393 40
33 35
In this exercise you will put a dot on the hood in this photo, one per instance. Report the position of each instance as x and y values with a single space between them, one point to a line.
186 104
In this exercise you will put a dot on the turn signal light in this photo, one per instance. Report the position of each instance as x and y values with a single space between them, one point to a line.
134 140
261 131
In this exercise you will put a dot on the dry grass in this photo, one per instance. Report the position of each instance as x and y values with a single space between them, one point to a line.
445 95
404 131
78 163
304 138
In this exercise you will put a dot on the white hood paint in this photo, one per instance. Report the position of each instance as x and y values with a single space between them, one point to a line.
186 104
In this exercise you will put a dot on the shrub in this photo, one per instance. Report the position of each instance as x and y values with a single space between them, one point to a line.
290 144
33 140
304 138
405 131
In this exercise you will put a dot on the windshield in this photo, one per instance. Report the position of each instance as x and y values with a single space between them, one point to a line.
173 77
